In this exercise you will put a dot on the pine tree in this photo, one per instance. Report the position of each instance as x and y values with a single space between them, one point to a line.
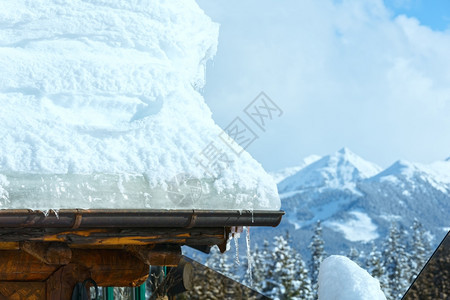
396 262
211 286
375 266
419 249
289 278
302 277
354 255
225 266
274 287
262 263
317 256
213 259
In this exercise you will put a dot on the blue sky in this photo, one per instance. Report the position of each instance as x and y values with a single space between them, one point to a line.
370 75
432 13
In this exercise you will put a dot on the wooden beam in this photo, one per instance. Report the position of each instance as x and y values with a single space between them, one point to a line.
23 290
21 266
157 255
112 267
107 267
9 245
54 253
116 236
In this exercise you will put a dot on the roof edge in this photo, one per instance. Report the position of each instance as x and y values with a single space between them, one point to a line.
134 218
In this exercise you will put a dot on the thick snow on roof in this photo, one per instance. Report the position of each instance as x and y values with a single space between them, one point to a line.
342 279
100 107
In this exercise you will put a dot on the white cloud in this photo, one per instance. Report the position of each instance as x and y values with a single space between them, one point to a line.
345 72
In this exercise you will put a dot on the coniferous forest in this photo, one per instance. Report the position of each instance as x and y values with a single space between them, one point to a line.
278 271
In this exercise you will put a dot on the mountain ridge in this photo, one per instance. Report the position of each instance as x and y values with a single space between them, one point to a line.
340 168
357 201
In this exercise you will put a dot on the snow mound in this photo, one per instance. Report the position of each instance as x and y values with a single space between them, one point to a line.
339 170
341 278
101 109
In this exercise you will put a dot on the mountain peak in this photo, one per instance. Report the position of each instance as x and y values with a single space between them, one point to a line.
403 164
345 150
348 155
341 169
438 171
399 167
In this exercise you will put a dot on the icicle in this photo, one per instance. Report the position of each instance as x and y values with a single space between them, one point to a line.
236 244
56 211
228 244
249 256
45 212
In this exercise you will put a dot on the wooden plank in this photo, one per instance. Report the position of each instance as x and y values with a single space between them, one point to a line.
54 253
23 290
117 236
20 266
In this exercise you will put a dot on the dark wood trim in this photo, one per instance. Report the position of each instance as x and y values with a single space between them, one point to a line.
114 236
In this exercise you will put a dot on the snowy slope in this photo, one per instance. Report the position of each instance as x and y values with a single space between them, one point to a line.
282 174
403 172
359 227
102 97
408 190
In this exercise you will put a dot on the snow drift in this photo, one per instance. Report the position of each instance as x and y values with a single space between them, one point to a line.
341 278
100 109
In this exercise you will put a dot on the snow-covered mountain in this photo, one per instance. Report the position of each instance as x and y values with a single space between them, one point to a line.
357 201
282 174
407 175
406 191
339 170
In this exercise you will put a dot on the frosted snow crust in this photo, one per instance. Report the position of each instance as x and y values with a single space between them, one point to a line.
100 108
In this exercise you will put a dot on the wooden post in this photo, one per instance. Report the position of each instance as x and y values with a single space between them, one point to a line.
60 284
